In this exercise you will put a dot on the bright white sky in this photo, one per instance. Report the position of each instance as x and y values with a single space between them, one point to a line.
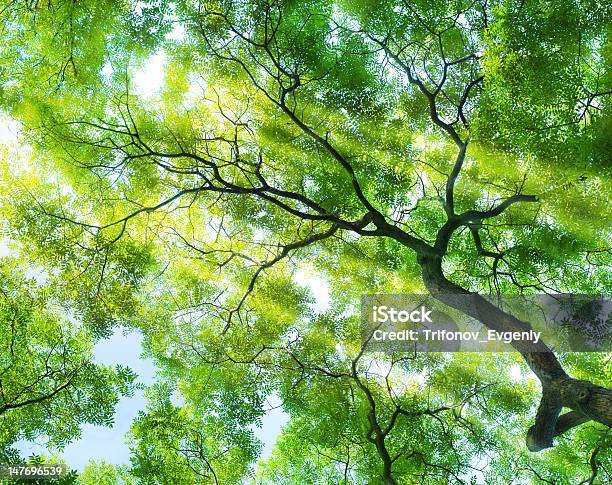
148 81
9 130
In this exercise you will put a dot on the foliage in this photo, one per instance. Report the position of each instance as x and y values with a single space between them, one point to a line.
378 146
49 385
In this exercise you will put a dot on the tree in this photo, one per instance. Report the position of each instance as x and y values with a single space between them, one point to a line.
455 147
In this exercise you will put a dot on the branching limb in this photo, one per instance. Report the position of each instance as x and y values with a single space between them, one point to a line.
285 251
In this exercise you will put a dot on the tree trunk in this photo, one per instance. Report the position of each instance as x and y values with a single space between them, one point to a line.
586 400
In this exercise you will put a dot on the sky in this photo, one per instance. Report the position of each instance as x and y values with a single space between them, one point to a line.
97 442
108 444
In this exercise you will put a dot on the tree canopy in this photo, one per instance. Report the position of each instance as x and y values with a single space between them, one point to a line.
377 146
